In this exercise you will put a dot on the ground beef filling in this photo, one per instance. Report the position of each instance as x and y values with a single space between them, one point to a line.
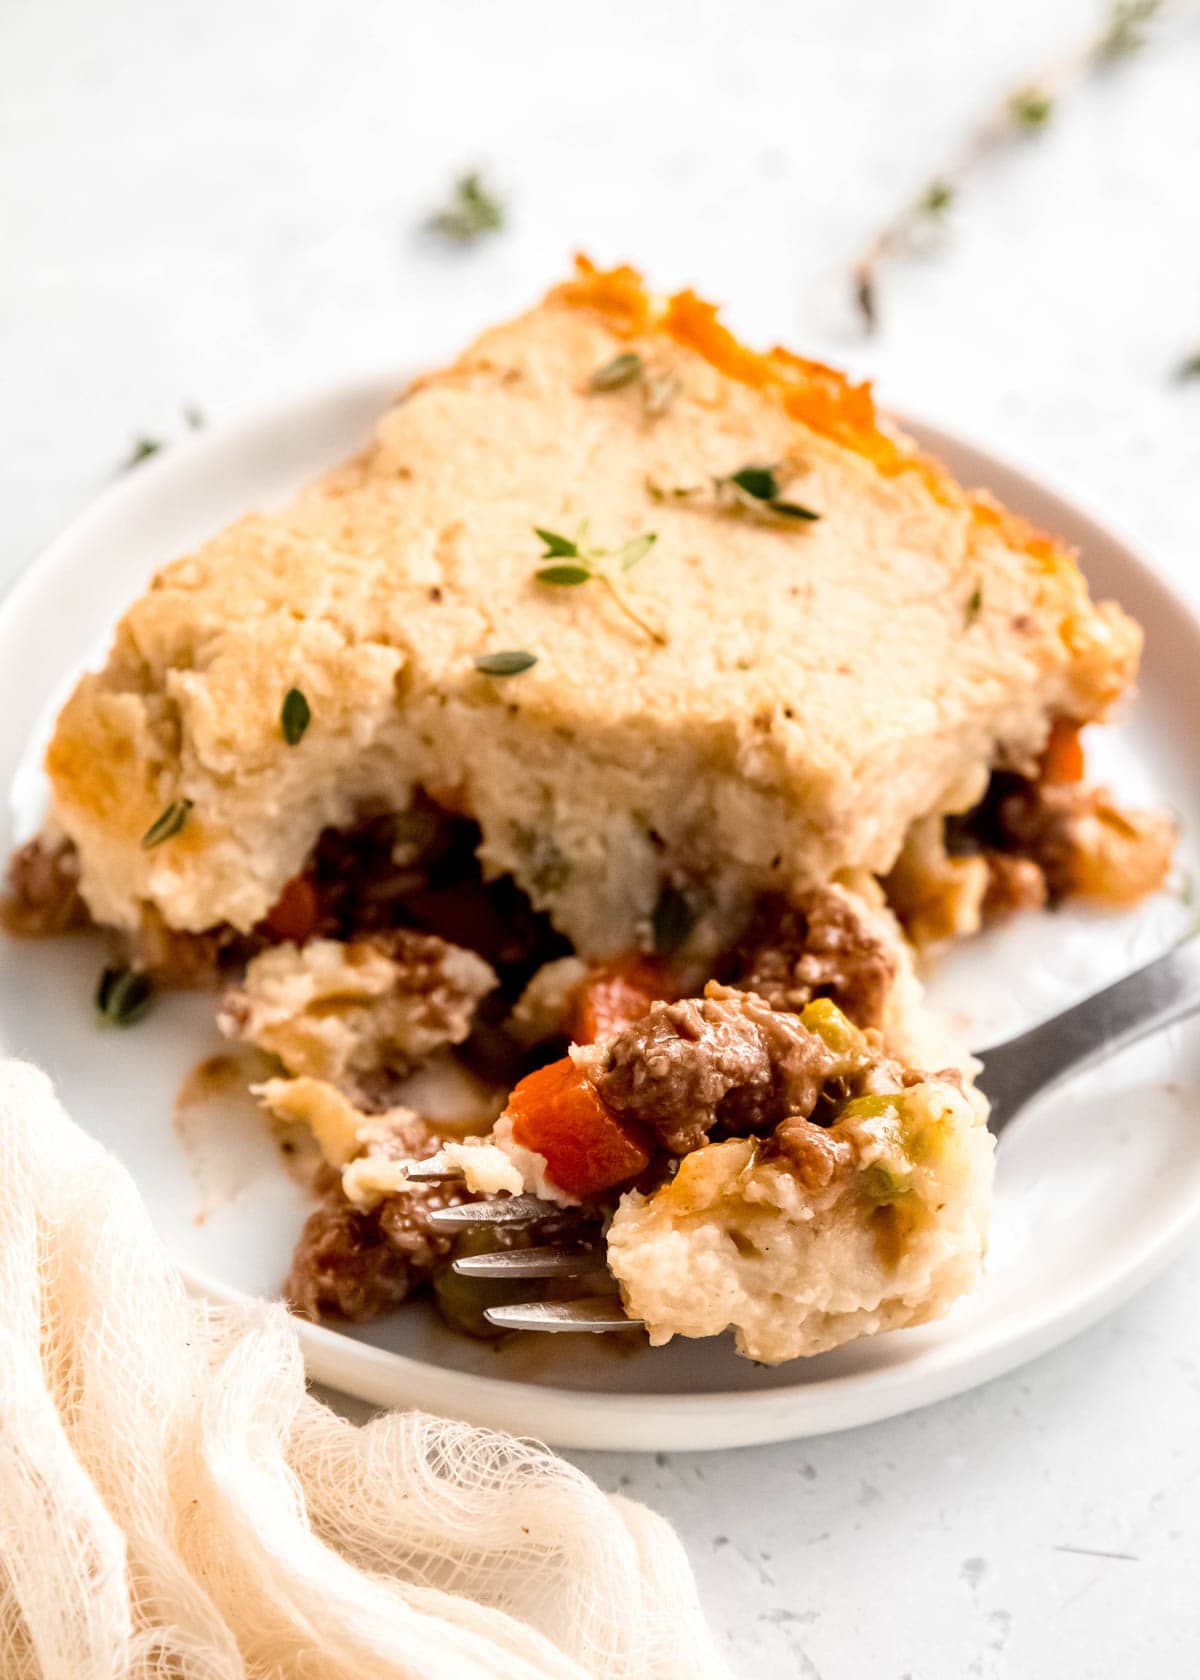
1082 842
725 1060
821 945
357 1263
43 890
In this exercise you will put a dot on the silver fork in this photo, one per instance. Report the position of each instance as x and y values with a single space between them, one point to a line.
1014 1073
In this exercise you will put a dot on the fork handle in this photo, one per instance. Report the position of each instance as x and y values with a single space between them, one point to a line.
1165 991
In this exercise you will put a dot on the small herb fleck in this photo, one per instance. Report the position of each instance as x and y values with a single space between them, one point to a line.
1031 108
142 450
936 199
622 370
672 920
123 995
510 663
194 418
471 211
1188 368
168 824
294 717
973 607
671 492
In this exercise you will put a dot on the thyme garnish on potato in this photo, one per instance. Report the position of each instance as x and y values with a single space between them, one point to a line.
659 386
167 825
574 561
758 490
508 663
294 717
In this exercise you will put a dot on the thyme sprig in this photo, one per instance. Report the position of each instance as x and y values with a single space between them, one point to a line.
471 210
575 561
1025 110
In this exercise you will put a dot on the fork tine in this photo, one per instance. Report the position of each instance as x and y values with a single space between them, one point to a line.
595 1315
432 1172
499 1210
529 1263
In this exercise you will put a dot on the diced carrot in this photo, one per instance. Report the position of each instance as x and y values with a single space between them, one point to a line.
1062 761
295 913
615 994
557 1112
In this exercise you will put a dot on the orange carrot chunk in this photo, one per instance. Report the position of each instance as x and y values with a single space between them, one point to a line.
295 912
615 994
557 1112
1062 761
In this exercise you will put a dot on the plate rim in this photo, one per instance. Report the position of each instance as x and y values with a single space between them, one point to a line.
719 1419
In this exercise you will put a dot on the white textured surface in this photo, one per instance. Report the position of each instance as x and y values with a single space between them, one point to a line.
217 202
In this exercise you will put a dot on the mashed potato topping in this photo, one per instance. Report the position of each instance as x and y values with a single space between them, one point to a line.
800 1245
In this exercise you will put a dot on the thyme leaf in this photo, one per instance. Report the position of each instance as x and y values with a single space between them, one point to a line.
294 717
973 607
658 393
1189 367
471 210
1031 108
622 370
509 663
142 449
168 824
565 575
757 490
637 548
1124 33
759 482
659 388
123 995
936 199
556 545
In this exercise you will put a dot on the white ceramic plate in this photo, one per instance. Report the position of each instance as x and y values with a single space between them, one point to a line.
1096 1188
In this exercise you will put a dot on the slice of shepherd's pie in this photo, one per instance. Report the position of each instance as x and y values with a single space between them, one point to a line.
607 699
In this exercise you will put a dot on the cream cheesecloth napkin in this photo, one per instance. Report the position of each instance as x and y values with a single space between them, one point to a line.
174 1504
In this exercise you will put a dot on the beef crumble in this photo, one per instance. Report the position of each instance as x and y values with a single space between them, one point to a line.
816 1157
725 1059
358 1263
820 945
1083 842
43 890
